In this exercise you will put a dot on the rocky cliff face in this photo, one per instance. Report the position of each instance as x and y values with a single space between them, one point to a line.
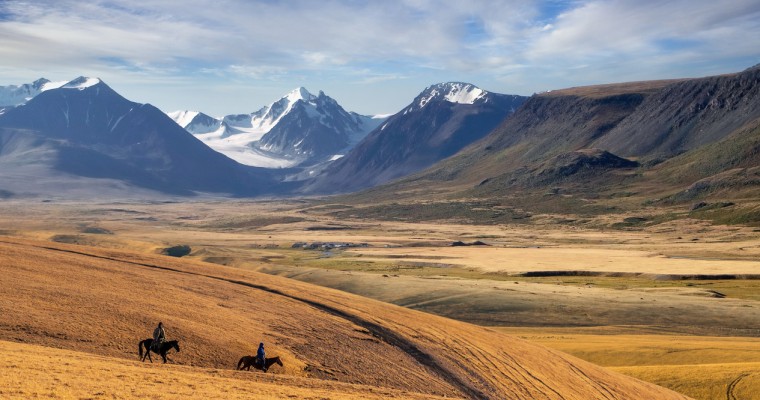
662 135
686 115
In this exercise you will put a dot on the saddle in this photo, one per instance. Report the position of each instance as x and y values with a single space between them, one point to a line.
157 344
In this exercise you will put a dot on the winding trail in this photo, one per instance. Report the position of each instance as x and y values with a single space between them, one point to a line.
732 386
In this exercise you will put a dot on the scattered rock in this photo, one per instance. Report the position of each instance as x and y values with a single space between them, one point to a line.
711 206
475 243
716 294
97 231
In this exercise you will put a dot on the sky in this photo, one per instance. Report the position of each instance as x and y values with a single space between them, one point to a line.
373 56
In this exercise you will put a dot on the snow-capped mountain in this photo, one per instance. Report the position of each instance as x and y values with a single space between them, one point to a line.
452 92
196 122
299 128
86 134
13 95
439 122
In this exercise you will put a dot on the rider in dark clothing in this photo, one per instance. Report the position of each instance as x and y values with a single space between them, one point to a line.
159 335
261 357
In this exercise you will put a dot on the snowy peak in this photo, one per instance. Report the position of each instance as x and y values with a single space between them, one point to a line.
452 92
299 127
183 118
14 95
300 94
82 83
195 122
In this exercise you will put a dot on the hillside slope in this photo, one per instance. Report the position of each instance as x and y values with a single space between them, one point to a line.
642 141
104 301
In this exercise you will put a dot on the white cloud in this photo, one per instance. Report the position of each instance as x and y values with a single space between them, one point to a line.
635 28
516 46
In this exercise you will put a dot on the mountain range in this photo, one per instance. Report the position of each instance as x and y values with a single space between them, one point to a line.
13 95
298 129
84 137
439 122
610 149
604 148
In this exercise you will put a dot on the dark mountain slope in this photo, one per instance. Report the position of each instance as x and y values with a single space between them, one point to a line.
661 142
89 130
440 121
686 115
316 127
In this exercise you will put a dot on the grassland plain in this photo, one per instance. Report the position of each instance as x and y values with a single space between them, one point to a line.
103 301
638 274
702 367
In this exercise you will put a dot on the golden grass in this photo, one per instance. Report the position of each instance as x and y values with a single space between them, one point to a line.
31 371
103 301
706 381
702 367
224 320
520 260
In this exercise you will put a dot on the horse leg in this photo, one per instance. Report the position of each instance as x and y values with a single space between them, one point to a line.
163 355
147 354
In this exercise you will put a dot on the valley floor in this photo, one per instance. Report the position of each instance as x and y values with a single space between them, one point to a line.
673 304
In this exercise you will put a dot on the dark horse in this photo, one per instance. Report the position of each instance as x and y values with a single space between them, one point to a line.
162 350
250 361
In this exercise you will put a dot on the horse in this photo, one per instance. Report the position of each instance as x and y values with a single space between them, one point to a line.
163 348
250 361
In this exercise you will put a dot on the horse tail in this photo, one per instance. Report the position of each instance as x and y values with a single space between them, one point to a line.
140 348
240 362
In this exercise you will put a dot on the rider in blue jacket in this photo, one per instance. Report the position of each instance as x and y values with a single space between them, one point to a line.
261 357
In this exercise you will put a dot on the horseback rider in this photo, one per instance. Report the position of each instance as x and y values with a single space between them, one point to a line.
261 357
159 336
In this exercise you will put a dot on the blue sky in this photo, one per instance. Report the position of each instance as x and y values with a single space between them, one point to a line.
235 56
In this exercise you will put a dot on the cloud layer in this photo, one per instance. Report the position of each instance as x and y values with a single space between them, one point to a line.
513 46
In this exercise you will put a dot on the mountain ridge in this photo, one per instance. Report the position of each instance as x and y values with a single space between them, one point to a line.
440 121
684 135
299 128
86 129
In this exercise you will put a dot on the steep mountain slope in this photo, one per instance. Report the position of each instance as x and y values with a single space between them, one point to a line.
298 128
14 95
85 129
689 121
441 120
686 115
319 333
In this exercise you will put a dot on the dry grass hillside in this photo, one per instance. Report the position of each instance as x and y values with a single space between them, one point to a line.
76 307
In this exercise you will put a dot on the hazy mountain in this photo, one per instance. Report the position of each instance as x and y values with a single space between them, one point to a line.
299 128
441 121
196 122
13 95
84 129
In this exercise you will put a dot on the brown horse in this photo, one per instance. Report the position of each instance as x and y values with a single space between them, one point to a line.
163 348
250 361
